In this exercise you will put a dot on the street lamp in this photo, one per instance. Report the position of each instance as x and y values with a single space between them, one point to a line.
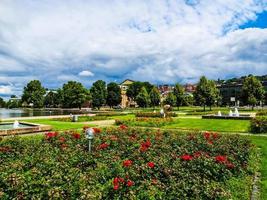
90 136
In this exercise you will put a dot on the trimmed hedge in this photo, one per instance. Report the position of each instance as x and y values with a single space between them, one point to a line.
241 117
259 125
145 122
155 114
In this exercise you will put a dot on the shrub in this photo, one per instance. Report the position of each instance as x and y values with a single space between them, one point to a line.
155 114
108 114
259 124
145 121
125 164
261 113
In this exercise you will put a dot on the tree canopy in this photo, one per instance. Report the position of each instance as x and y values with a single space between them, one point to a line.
154 97
98 93
34 93
113 94
179 94
74 94
143 99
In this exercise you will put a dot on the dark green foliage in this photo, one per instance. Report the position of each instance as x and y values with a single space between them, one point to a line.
259 124
34 93
155 114
154 97
135 88
98 93
50 99
113 94
206 93
252 91
170 99
179 94
2 103
74 94
143 99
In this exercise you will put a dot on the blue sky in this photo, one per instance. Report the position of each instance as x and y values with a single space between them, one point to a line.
163 41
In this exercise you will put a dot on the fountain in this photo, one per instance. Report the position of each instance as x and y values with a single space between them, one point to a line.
16 124
236 114
230 113
219 113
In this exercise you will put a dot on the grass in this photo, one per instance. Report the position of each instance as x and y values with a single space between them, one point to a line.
59 125
211 124
261 142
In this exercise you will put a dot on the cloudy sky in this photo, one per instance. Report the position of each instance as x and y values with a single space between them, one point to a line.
161 41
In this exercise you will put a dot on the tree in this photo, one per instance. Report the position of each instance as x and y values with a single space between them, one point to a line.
206 93
143 99
34 93
179 94
252 91
2 103
113 94
135 88
74 94
170 99
154 97
98 93
50 99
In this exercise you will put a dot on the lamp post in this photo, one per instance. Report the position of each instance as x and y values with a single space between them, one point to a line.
90 136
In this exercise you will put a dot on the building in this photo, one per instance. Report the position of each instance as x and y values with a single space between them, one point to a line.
190 88
125 101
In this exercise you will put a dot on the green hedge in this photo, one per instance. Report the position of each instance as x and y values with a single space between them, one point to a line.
127 163
259 124
155 114
261 113
145 122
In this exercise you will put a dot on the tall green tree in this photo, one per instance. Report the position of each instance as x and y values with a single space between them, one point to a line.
154 97
113 94
98 93
143 99
179 94
252 91
34 93
170 99
135 88
74 94
206 93
50 99
2 103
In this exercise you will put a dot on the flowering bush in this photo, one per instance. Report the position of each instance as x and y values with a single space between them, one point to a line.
146 122
259 124
126 164
155 114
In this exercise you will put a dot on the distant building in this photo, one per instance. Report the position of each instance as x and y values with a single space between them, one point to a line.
125 101
164 90
190 88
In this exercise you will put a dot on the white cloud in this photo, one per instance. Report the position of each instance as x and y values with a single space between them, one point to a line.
86 73
159 41
5 89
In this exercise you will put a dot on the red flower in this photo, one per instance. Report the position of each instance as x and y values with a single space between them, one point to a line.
230 165
123 127
114 138
103 146
116 181
97 130
151 164
221 159
186 157
116 187
62 139
154 181
210 142
215 135
76 135
130 183
127 163
197 154
145 145
207 135
51 135
63 146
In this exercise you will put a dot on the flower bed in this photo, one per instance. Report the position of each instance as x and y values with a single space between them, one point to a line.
145 122
259 124
82 118
127 164
155 114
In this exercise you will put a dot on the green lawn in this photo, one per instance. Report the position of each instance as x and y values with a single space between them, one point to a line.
261 142
211 124
59 125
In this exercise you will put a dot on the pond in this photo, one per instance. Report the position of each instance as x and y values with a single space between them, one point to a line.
9 113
